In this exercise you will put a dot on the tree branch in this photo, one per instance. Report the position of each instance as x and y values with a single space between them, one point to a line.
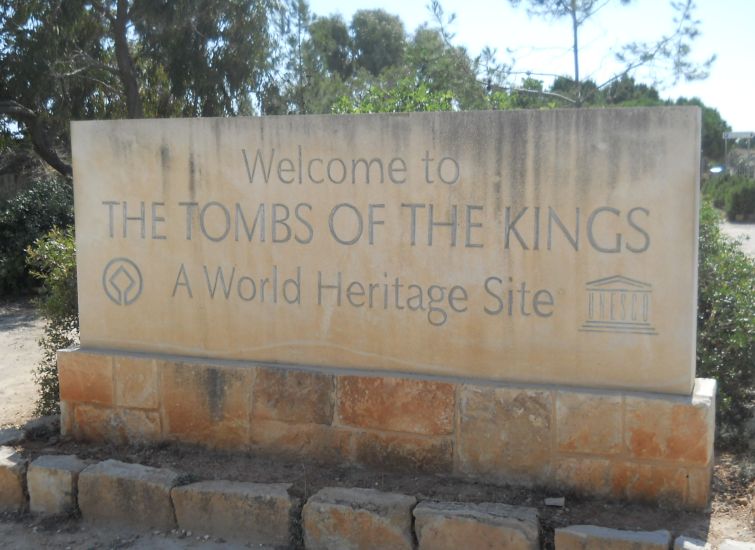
38 131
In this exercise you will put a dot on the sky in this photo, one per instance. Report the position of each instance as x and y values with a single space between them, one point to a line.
542 46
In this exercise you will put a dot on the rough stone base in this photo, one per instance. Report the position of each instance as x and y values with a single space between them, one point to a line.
113 492
616 444
53 482
590 537
251 512
12 480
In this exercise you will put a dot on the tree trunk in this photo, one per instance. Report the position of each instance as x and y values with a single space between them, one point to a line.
38 131
575 49
125 63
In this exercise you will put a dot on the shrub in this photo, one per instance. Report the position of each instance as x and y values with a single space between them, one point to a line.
52 260
733 194
46 204
726 327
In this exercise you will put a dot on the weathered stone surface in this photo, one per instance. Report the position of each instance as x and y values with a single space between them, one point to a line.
505 433
136 382
583 475
315 441
699 487
293 396
393 242
52 481
679 430
396 404
85 377
335 519
66 418
590 537
11 436
589 423
397 451
687 543
650 483
454 525
206 404
12 480
94 423
127 494
730 544
250 512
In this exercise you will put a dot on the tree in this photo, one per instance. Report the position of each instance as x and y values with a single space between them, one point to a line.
85 59
712 130
379 40
672 50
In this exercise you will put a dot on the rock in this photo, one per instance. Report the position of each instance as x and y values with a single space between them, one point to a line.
11 436
52 481
12 480
584 537
451 525
558 502
114 492
336 518
253 512
687 543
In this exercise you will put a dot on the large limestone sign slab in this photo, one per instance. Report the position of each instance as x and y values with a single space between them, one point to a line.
534 246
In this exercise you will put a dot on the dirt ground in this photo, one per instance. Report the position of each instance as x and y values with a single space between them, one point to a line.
729 515
20 329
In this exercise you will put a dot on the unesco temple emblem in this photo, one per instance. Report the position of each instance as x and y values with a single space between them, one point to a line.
618 304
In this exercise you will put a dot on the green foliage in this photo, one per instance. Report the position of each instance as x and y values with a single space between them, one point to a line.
726 327
31 214
712 131
406 96
733 194
52 260
379 40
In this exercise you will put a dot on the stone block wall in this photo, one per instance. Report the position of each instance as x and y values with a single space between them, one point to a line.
640 447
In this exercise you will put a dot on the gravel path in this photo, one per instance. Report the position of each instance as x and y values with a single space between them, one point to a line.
20 329
743 231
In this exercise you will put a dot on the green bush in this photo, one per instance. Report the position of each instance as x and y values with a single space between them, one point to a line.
46 204
733 194
726 327
52 260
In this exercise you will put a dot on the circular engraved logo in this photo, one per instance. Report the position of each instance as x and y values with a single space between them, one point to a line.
122 281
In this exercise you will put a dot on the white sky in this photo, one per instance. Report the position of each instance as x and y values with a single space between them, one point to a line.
544 47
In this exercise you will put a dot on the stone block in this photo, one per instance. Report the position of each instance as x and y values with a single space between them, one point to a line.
206 404
315 441
66 418
336 518
113 492
590 537
85 377
135 382
676 429
589 476
250 512
505 433
293 396
652 483
589 423
395 451
12 480
396 404
453 525
52 481
92 423
11 436
687 543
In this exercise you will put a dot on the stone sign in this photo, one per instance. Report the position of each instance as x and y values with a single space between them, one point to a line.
553 247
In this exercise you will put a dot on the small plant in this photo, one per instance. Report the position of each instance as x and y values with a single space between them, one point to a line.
734 195
46 204
52 260
726 327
